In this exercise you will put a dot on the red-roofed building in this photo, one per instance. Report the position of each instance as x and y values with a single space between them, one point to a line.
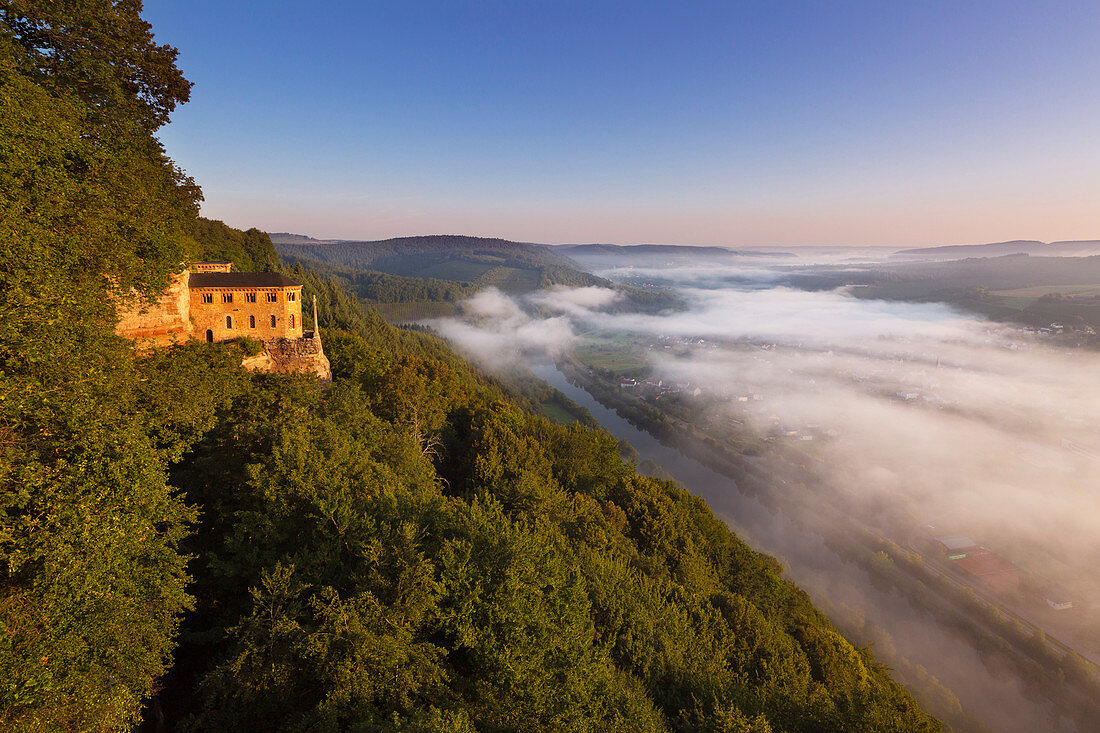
991 569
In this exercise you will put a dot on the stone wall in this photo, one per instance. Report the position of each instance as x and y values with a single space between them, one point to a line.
293 348
163 322
292 355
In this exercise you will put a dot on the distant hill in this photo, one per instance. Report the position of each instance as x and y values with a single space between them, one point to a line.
1018 288
1081 248
410 278
1003 272
995 273
673 250
288 238
478 261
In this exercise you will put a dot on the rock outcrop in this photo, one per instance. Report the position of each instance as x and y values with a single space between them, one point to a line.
292 355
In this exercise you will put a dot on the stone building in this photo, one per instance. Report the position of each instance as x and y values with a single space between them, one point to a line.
213 303
228 305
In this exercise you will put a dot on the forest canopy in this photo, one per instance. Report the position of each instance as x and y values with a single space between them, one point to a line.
93 579
407 548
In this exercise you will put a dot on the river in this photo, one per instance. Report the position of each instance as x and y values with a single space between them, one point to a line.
996 697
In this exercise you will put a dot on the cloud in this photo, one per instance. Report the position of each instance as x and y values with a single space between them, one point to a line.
786 314
493 305
928 408
931 409
709 275
497 332
575 301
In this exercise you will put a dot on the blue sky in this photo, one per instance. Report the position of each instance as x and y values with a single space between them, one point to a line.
755 123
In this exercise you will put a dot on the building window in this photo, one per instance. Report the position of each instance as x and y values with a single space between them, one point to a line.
272 297
273 321
252 321
290 297
292 320
229 321
250 297
227 297
207 297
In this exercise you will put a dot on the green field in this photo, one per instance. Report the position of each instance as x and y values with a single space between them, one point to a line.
1041 290
414 311
620 358
460 270
1021 298
556 413
512 279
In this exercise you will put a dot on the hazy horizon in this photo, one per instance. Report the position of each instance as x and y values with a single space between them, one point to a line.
807 245
866 124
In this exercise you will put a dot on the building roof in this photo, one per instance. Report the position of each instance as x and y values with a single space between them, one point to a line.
241 280
956 543
986 563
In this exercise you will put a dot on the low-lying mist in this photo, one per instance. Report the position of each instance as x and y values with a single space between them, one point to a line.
924 414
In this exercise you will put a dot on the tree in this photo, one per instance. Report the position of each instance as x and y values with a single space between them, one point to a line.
91 578
249 251
103 52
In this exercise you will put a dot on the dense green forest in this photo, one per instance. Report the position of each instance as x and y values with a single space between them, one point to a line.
372 286
249 251
406 548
